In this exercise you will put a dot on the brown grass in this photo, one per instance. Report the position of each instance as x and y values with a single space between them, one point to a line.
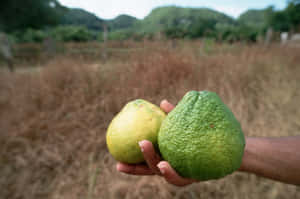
53 120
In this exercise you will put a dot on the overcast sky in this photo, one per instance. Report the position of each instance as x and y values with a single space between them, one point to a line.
108 9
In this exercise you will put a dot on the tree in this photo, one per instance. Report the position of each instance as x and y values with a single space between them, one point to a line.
293 14
20 15
287 19
279 21
202 28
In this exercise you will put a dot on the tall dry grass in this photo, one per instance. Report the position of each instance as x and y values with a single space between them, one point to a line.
53 120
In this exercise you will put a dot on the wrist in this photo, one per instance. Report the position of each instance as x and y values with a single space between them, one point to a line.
243 166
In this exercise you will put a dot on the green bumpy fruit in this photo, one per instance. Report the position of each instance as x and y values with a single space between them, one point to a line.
201 138
138 120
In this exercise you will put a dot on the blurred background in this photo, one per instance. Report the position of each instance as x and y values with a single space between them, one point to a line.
68 67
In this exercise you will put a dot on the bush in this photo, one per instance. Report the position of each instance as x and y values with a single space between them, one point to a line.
231 33
72 33
175 33
30 36
60 33
120 35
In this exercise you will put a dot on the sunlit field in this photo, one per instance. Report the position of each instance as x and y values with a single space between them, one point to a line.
54 111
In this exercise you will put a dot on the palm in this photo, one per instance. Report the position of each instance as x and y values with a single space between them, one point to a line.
154 164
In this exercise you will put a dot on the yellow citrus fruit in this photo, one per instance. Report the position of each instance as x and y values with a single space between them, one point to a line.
138 120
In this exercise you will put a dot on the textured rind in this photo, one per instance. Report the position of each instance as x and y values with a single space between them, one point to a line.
201 138
138 120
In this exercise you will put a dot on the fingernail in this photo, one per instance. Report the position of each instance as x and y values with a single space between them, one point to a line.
141 145
161 168
165 101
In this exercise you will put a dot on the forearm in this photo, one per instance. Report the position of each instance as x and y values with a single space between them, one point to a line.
274 158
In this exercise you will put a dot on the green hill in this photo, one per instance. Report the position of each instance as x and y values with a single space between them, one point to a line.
165 18
36 20
81 17
122 22
253 18
175 17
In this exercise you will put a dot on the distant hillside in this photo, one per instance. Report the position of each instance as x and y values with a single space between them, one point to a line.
175 22
254 18
172 16
81 17
122 22
162 18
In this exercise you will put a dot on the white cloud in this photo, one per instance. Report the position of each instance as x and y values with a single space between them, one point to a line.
112 8
230 10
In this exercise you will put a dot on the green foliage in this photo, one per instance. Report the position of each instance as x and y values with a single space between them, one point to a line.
32 35
122 22
60 33
293 14
175 32
176 22
80 17
287 19
227 32
203 28
247 33
72 33
254 18
167 18
18 15
120 35
35 16
279 21
253 23
29 36
193 23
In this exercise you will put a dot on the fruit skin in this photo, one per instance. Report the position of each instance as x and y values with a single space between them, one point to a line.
137 121
201 138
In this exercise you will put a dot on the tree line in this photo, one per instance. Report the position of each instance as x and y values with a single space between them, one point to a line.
34 20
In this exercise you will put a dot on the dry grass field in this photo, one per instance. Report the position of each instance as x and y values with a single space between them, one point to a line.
54 114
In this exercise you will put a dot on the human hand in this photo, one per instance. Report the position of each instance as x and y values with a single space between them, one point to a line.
154 164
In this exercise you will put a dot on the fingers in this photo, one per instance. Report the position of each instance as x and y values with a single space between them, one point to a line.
150 156
171 176
154 166
134 169
165 169
166 106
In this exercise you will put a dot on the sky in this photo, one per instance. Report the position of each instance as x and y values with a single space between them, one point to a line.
108 9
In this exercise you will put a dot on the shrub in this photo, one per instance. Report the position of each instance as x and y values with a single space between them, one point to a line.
120 35
30 36
72 33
